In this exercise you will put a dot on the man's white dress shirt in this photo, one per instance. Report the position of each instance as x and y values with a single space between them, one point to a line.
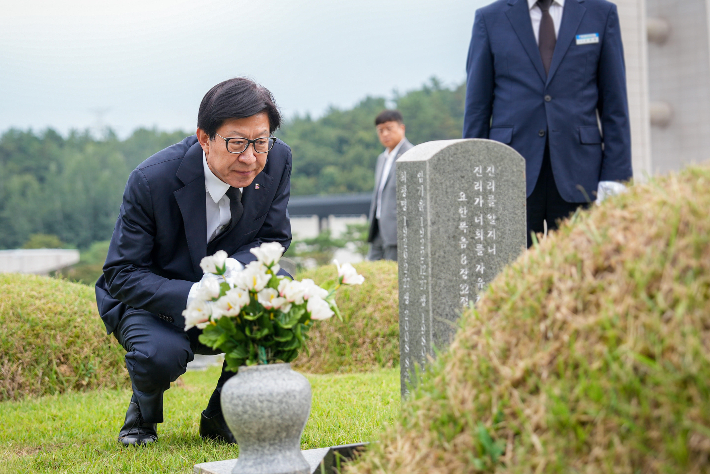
385 172
216 202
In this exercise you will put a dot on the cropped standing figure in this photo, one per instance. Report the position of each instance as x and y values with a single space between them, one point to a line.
383 209
540 72
225 188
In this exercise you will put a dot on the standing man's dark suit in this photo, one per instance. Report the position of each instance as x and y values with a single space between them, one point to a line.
161 236
551 118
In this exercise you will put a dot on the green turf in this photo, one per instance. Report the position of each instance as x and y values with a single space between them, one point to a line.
76 432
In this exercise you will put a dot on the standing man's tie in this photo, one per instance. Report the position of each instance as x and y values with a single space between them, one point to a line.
547 38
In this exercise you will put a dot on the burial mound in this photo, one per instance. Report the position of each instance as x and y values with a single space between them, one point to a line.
591 353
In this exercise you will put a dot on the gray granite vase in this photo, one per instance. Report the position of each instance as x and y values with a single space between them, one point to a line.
266 407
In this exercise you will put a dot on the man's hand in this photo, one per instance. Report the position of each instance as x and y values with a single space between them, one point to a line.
607 189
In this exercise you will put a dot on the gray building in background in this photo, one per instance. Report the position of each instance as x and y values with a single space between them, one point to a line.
667 52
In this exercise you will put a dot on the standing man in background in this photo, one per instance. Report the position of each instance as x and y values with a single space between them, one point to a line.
383 210
540 73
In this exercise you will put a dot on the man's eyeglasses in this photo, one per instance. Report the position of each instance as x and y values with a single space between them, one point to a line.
238 145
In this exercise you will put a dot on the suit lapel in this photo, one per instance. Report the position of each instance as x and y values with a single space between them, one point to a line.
571 18
191 201
519 16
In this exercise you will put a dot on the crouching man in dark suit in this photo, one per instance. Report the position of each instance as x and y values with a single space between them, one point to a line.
225 188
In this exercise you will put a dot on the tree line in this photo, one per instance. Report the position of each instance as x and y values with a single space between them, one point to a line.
71 187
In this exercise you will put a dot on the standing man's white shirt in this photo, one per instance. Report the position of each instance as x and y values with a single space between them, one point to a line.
536 16
385 172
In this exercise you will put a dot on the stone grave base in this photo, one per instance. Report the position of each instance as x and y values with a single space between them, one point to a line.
321 460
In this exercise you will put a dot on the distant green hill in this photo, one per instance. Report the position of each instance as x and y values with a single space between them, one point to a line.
589 354
71 187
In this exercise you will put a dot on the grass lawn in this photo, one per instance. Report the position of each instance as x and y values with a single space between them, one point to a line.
76 432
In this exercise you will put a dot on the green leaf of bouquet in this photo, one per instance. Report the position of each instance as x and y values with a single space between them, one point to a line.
265 322
261 333
210 335
227 325
252 316
233 363
273 283
223 338
239 352
288 356
292 318
293 345
287 336
336 310
224 288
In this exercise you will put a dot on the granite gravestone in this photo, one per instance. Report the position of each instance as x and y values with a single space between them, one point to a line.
460 219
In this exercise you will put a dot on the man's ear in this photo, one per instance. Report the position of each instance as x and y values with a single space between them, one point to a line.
204 140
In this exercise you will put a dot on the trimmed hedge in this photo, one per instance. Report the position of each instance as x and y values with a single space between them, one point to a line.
589 354
368 336
52 339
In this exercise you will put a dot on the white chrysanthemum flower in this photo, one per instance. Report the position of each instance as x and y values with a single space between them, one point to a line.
270 299
319 309
232 302
348 275
207 289
214 263
268 253
310 289
292 290
197 314
253 277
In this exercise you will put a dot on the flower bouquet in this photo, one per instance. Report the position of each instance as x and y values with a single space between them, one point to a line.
256 316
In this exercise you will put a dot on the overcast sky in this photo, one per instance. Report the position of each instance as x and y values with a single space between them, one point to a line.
130 63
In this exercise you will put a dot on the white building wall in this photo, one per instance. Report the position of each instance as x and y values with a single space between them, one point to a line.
679 75
632 18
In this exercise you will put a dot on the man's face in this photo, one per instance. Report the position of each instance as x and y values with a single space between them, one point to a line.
236 170
390 134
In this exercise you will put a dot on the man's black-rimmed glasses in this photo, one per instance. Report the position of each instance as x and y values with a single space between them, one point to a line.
238 145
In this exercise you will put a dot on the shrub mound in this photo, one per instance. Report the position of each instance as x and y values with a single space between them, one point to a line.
368 336
589 354
52 339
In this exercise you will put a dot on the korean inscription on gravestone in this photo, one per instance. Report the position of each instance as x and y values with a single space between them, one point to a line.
461 219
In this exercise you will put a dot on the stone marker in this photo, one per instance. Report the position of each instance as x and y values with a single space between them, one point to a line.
460 219
319 460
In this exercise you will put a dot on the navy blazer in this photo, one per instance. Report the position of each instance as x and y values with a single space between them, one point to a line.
510 99
161 232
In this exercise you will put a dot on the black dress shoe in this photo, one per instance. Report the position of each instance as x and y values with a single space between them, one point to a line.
135 431
216 428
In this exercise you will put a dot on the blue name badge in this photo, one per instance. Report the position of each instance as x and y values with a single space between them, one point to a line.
591 38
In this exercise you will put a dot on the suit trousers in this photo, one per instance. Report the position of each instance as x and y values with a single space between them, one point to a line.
157 353
378 249
545 204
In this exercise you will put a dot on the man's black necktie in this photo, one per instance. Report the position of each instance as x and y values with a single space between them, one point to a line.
236 210
546 38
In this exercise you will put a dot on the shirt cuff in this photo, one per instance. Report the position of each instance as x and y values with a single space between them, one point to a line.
609 188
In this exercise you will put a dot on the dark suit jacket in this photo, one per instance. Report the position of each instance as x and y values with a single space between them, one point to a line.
508 86
388 214
160 235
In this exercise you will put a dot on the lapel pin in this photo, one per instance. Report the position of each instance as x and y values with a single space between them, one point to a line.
256 186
